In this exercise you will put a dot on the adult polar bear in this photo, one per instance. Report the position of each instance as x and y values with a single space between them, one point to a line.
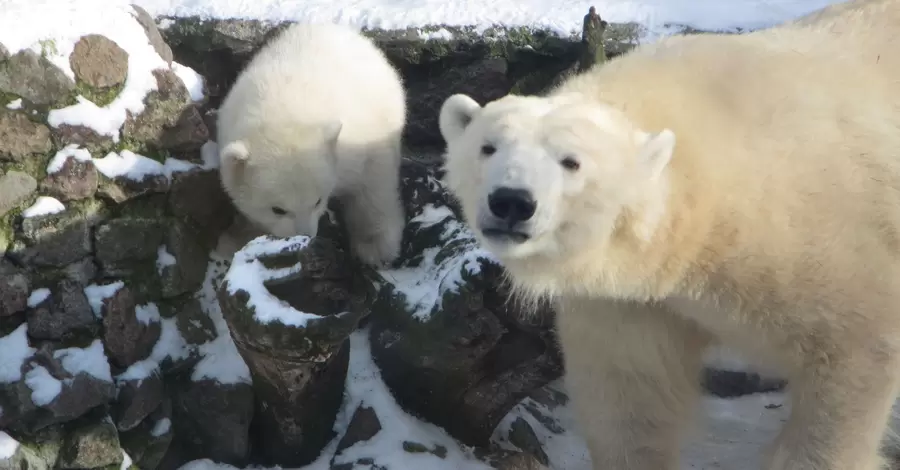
742 189
317 113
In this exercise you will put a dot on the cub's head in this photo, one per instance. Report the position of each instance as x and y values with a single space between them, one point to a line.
548 177
280 177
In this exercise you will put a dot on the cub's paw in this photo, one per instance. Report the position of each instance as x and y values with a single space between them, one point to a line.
378 249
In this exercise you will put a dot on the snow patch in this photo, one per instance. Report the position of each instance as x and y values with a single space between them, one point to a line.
221 360
44 205
90 360
147 313
8 446
126 461
129 165
69 151
96 294
248 274
192 80
442 34
161 427
15 351
44 387
14 104
164 259
424 286
38 296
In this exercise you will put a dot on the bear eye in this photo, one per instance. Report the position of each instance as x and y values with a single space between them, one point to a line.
570 163
488 149
278 211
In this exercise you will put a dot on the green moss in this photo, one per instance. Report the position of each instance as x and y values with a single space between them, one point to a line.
99 96
141 148
36 165
8 227
48 47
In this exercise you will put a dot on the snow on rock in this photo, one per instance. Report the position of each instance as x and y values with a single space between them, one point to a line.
424 286
193 81
8 446
14 104
29 23
44 205
441 34
562 17
37 297
97 293
248 274
69 151
44 387
221 360
147 313
15 351
164 259
90 360
129 165
126 461
161 427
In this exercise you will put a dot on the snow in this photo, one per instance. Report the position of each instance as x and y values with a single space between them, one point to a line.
38 296
424 286
164 259
14 104
44 205
15 351
44 387
52 27
129 165
161 427
126 461
248 274
170 345
67 152
97 293
90 360
147 313
562 17
8 446
192 80
221 360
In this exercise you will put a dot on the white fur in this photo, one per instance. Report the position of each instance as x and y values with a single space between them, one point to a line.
317 113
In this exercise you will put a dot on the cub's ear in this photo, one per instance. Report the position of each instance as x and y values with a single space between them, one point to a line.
236 151
656 150
456 113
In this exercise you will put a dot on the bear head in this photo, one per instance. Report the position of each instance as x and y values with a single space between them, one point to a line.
280 177
550 178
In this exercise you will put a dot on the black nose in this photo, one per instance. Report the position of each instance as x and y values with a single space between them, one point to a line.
512 205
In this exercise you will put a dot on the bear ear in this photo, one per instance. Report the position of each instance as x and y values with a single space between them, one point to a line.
656 150
456 113
236 150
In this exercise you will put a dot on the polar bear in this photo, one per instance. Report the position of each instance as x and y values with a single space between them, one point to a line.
740 190
317 113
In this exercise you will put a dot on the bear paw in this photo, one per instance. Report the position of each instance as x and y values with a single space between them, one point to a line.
378 249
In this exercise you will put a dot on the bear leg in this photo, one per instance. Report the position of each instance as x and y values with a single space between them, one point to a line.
840 410
373 211
633 371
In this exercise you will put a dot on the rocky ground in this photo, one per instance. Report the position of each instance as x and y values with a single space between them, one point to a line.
126 341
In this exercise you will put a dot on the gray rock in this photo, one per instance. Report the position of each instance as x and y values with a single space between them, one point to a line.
75 180
198 199
191 259
21 138
67 311
522 436
15 287
126 337
729 383
194 324
148 443
83 136
81 272
465 361
99 62
510 460
90 445
15 188
31 76
57 240
169 120
212 420
364 425
152 31
136 400
299 371
128 238
4 52
123 189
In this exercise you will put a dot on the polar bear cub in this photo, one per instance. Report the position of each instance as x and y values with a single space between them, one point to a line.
317 113
706 189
